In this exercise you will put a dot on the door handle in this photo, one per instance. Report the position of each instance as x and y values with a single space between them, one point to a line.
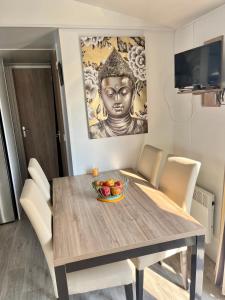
24 130
58 136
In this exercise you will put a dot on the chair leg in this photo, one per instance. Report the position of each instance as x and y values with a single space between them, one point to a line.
184 268
139 284
129 291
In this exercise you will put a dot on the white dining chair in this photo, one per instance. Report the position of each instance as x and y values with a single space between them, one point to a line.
37 174
149 164
106 276
177 183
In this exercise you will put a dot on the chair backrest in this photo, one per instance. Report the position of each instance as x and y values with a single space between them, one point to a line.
40 216
38 175
149 163
178 180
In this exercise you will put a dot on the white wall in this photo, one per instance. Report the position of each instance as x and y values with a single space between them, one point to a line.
117 152
199 131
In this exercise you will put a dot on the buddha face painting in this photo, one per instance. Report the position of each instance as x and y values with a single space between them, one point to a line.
117 95
115 86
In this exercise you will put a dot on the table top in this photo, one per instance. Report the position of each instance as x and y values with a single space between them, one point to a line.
85 228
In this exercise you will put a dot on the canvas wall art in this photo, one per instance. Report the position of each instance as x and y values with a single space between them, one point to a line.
114 74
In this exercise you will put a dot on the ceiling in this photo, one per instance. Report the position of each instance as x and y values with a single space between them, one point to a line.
166 13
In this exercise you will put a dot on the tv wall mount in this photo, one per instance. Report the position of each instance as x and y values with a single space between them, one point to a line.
210 97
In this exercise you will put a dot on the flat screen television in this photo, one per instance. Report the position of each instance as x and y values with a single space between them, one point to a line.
199 68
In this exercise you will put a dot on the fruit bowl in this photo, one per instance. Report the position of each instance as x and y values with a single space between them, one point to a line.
110 190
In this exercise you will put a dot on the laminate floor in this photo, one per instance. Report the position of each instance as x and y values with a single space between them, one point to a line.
24 274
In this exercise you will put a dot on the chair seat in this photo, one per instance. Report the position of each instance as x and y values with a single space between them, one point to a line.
105 276
148 260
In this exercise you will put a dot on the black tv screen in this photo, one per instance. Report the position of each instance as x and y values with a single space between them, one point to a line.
199 67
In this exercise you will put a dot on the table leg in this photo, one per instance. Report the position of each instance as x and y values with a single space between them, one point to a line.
197 267
139 284
61 282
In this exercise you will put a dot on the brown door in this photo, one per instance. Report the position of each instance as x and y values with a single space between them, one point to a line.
35 100
59 114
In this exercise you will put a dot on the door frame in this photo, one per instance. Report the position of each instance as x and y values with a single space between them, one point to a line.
16 120
15 113
59 114
55 61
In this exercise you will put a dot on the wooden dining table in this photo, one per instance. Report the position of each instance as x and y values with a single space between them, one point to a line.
88 233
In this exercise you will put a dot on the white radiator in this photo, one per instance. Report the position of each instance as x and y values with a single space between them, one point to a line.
203 210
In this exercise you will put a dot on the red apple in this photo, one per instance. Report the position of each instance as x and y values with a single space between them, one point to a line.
105 191
118 184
